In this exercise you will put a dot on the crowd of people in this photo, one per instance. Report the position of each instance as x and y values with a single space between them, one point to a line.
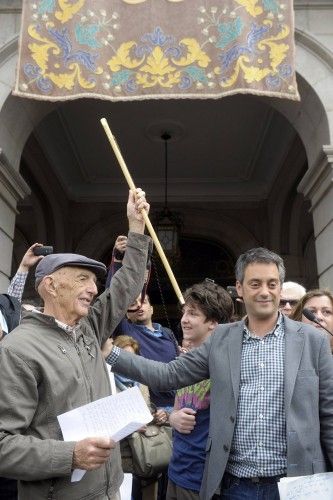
248 401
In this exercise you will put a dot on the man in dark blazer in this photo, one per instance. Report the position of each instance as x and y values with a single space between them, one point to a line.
271 394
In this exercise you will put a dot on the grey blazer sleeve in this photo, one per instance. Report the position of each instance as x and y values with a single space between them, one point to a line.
183 371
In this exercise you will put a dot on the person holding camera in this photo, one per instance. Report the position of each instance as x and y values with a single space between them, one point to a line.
53 363
10 302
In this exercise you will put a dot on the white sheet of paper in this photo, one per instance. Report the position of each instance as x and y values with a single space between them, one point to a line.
115 416
77 475
317 486
126 487
112 380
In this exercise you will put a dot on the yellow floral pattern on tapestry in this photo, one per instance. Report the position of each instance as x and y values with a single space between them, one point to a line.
132 48
157 69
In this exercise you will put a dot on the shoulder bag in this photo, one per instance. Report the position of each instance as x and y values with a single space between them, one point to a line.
151 450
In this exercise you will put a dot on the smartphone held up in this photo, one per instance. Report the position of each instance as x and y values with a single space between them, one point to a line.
44 250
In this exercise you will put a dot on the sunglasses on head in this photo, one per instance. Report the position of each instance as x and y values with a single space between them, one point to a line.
284 302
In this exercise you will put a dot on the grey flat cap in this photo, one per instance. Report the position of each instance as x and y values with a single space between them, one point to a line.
55 261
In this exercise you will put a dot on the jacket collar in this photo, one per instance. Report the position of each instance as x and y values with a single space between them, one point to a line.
235 352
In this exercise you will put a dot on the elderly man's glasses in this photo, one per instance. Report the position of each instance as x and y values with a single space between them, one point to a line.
284 302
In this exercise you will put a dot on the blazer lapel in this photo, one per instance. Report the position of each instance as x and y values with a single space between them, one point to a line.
235 353
293 354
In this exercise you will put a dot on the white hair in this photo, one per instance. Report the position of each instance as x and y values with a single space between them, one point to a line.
295 287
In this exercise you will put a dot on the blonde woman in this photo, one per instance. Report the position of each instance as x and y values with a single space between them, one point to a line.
320 302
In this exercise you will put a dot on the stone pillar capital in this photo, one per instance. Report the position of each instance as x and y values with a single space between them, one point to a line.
318 179
12 186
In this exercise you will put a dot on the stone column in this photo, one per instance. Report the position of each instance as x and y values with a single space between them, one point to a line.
12 189
317 185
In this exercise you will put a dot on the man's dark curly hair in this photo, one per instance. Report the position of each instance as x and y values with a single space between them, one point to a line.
213 300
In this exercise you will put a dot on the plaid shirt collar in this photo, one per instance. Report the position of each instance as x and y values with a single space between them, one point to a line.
73 331
67 328
277 330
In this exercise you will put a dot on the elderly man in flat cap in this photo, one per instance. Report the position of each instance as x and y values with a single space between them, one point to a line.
52 363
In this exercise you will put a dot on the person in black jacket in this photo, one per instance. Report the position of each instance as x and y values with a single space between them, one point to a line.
10 309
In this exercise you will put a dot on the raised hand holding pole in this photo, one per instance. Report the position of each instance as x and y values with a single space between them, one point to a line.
150 228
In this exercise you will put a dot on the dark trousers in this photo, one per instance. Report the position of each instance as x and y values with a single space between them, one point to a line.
143 489
162 486
175 492
234 488
8 489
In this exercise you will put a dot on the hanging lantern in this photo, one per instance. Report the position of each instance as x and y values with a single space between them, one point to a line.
168 223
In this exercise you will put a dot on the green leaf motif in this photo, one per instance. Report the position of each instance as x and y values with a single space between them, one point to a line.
86 35
46 7
197 74
229 32
271 6
121 77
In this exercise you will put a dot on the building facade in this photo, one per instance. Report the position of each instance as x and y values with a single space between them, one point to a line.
281 197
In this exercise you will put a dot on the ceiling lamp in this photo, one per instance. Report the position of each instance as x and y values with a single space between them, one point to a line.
168 223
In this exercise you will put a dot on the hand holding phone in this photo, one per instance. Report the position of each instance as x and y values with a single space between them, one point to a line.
44 250
232 291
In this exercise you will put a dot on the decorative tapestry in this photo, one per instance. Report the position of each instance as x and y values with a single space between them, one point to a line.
144 49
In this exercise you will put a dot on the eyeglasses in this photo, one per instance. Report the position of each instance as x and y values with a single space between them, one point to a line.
291 302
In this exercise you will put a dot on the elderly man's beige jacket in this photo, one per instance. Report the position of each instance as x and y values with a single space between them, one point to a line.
45 372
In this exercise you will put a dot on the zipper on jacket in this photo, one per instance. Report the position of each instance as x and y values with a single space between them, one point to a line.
62 349
87 346
89 351
84 372
86 378
89 387
78 369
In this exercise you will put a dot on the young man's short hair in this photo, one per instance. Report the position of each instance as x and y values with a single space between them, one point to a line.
212 299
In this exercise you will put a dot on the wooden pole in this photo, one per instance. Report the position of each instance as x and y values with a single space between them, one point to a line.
150 228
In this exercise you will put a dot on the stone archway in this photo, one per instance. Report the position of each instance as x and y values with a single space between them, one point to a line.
311 118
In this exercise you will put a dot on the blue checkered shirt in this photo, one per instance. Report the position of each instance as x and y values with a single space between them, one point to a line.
17 284
259 445
113 356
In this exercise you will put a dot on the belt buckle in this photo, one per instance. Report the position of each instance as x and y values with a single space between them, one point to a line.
255 480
